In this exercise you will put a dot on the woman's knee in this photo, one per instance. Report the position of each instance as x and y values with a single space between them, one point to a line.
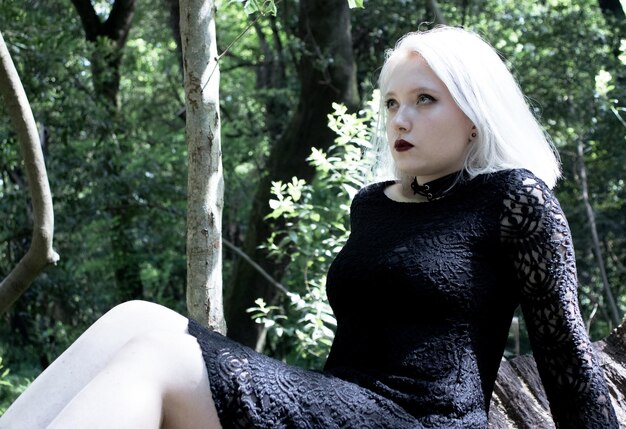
172 361
171 365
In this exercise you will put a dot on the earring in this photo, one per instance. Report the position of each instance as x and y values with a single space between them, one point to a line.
474 135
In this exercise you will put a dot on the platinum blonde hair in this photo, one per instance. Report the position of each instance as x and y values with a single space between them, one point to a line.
508 134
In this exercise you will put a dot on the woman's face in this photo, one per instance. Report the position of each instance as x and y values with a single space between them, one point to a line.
428 134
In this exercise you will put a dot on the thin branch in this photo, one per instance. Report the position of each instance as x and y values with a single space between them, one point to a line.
618 116
256 266
40 254
219 57
610 300
235 40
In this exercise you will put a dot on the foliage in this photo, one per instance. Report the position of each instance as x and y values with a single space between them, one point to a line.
146 149
300 328
10 387
254 106
263 7
355 3
562 54
565 54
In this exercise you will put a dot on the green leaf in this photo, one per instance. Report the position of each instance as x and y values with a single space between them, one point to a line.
355 4
264 7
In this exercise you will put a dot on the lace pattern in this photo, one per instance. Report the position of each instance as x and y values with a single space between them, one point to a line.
424 295
536 231
251 390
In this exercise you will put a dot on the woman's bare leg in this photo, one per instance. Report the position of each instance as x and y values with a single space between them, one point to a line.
84 359
155 380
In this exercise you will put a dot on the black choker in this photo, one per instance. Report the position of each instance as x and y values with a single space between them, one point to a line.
440 187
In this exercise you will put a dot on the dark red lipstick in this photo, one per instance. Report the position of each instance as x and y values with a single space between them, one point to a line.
402 145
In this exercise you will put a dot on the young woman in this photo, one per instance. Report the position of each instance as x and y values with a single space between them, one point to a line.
424 290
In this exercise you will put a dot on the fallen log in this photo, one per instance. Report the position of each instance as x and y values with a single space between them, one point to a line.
519 401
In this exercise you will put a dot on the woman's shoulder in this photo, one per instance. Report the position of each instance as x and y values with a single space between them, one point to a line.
372 190
509 175
528 205
515 183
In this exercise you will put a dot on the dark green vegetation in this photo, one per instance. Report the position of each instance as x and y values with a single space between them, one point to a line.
112 115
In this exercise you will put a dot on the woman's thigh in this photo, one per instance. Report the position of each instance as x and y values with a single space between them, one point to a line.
85 358
156 380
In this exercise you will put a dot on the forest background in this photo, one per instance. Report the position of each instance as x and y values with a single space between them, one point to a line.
297 99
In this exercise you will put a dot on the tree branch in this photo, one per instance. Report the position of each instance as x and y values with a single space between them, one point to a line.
119 21
117 25
256 266
40 254
435 10
88 17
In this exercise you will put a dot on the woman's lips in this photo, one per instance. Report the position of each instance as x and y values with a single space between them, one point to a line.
402 145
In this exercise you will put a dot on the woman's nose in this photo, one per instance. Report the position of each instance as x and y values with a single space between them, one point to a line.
401 121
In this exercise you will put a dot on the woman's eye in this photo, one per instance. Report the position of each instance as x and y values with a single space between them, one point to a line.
391 103
424 98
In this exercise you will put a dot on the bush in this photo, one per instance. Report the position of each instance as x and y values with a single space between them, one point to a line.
300 328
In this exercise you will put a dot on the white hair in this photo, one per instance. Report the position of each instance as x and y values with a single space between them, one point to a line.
508 134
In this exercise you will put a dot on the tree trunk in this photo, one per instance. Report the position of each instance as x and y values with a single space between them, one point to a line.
615 17
271 75
614 9
597 249
327 75
205 193
174 21
435 12
519 400
40 254
109 38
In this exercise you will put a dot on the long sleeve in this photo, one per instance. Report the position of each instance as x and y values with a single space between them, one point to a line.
537 236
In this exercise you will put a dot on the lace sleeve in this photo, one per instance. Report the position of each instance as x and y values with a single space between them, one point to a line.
537 234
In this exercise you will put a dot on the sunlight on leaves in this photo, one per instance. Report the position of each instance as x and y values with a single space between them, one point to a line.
603 83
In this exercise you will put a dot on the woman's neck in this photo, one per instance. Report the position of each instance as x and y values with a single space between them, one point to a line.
414 188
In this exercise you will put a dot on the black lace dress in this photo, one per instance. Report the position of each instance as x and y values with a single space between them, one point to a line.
424 295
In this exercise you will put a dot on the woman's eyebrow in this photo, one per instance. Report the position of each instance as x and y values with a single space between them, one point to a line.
417 90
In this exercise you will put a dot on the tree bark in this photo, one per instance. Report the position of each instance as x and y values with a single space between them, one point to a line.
40 254
519 400
327 74
597 249
205 194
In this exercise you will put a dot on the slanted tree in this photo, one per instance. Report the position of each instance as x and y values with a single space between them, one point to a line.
40 254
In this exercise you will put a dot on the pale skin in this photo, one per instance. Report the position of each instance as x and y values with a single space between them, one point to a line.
136 367
422 113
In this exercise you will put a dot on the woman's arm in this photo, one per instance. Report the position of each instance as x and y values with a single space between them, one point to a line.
538 237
